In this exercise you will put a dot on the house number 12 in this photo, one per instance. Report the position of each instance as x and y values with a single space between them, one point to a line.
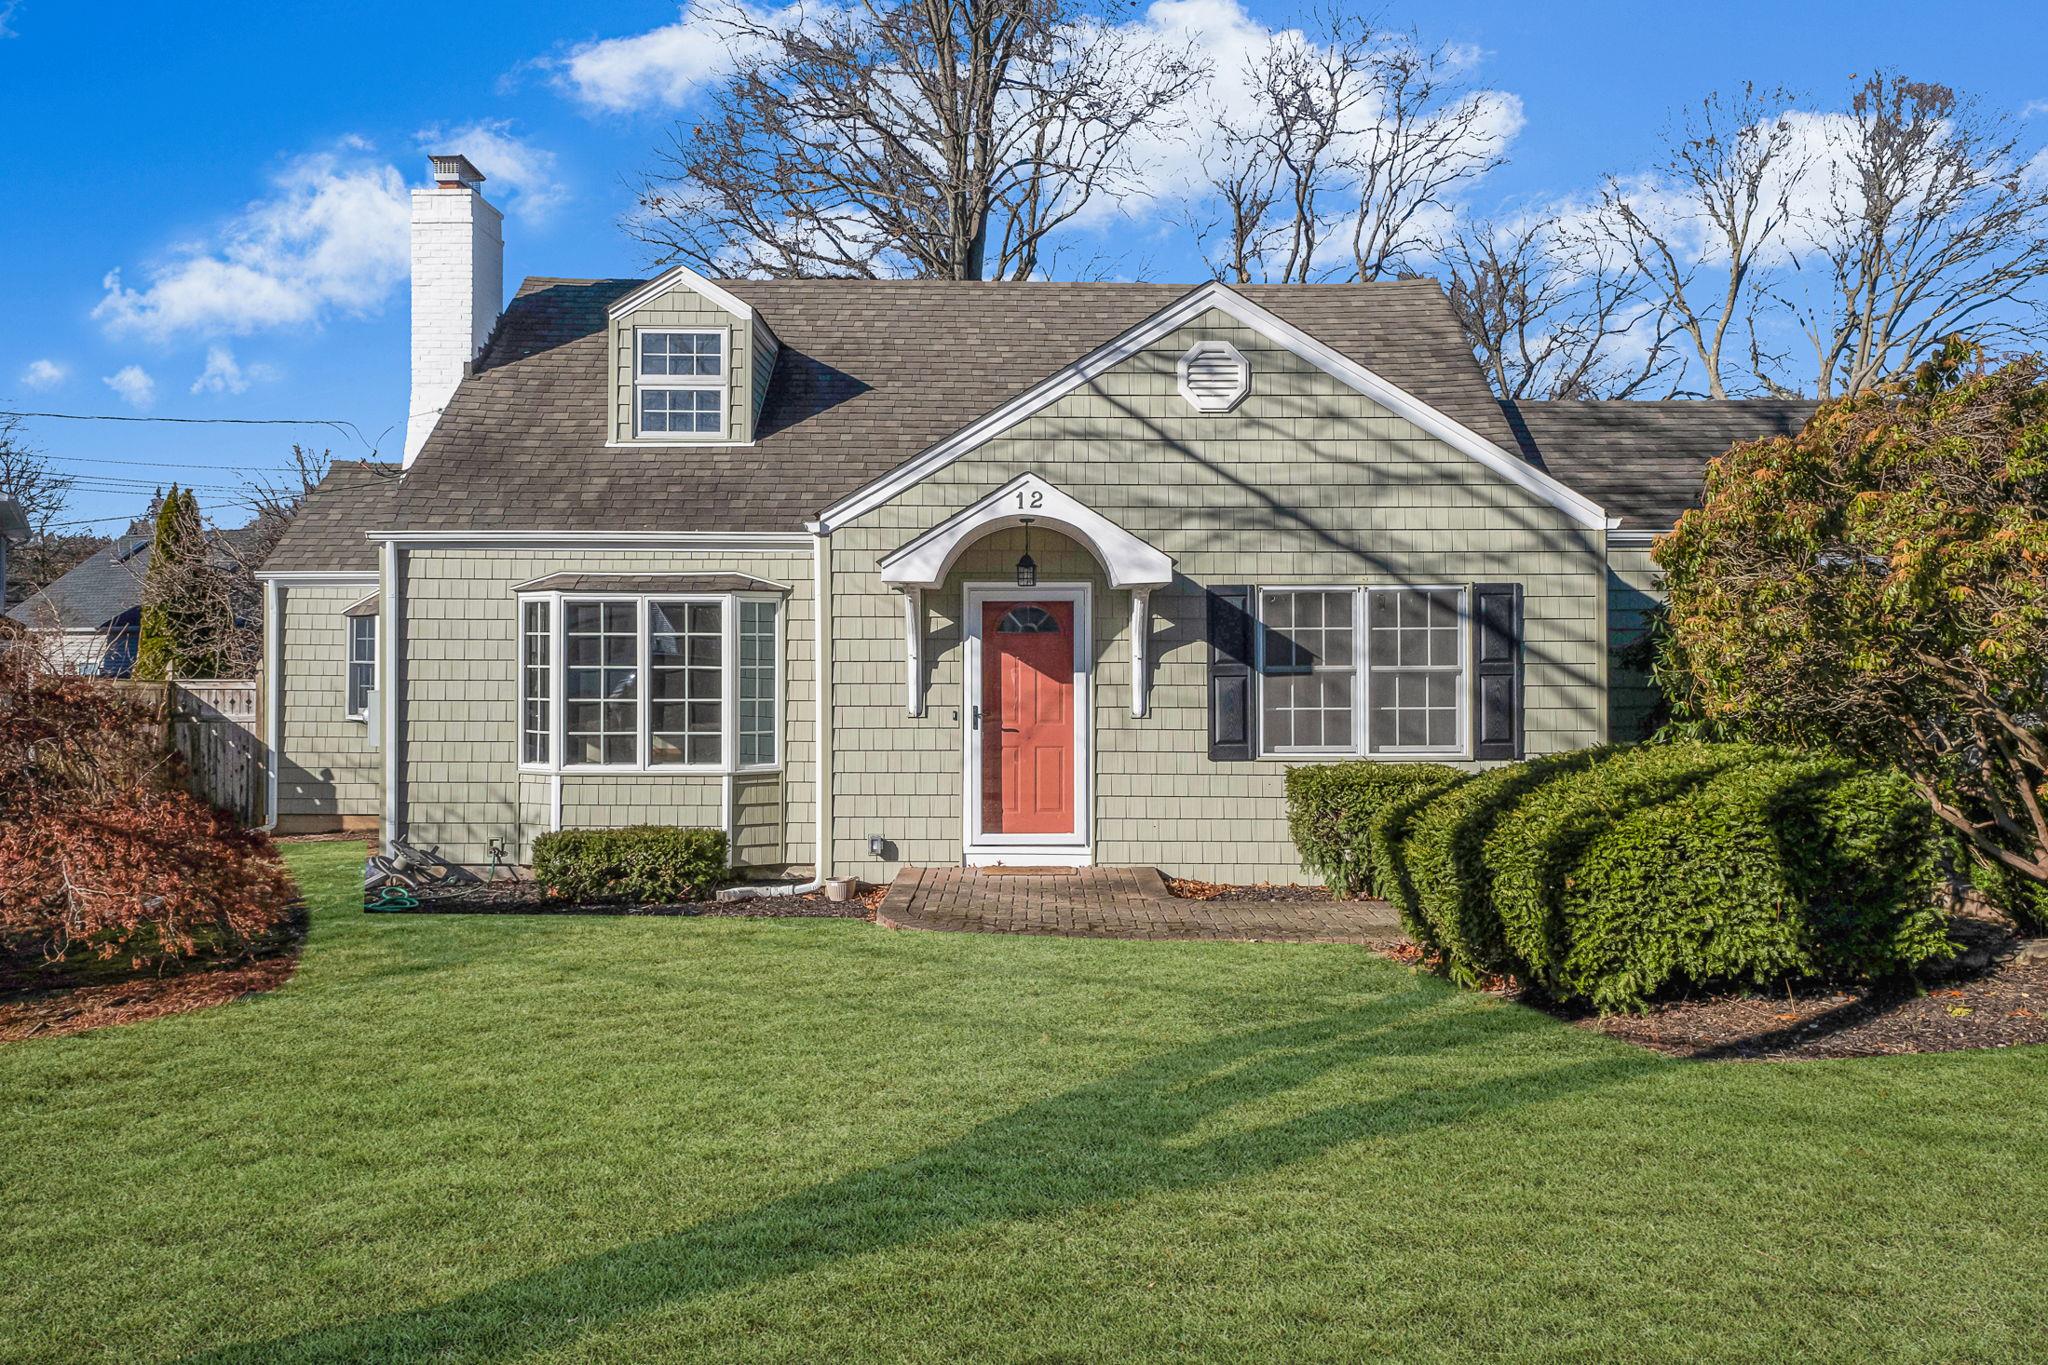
1028 499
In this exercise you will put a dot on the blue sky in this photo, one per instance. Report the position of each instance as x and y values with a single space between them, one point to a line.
237 164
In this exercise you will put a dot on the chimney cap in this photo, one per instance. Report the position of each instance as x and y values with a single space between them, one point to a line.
455 172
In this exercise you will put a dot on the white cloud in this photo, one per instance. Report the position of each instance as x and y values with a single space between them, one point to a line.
7 12
511 165
662 67
330 237
133 385
44 374
224 374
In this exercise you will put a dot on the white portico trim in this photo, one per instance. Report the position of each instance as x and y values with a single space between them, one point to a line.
921 566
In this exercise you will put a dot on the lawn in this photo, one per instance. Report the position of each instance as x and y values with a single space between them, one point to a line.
617 1139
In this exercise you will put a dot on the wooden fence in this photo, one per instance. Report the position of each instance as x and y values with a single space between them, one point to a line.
217 728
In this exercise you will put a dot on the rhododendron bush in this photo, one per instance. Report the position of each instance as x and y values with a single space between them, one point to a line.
102 850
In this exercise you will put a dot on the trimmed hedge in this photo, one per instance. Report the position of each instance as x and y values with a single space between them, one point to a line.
1330 808
1448 905
642 864
1609 876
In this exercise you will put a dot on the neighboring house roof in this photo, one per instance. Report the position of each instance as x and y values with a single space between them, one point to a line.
93 594
870 374
96 593
1644 462
329 533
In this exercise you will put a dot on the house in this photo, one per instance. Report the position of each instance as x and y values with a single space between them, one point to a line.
883 573
89 619
86 620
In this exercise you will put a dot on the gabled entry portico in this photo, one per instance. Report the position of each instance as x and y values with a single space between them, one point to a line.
1028 667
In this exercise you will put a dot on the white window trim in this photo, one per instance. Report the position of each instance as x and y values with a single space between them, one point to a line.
1361 688
349 662
728 690
721 384
1357 681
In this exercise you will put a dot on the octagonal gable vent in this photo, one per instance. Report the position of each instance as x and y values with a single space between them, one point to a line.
1214 376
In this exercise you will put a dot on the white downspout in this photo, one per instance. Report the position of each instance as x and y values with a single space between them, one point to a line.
273 693
389 648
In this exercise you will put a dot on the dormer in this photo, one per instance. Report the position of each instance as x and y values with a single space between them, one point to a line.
690 364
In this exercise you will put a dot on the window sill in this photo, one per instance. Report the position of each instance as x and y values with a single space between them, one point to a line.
634 770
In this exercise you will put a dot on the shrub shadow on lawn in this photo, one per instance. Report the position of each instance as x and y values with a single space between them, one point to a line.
1122 1137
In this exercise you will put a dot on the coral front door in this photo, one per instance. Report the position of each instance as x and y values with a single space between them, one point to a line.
1027 717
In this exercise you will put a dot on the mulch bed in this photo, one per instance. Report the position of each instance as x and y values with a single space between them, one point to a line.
530 898
1994 995
49 1001
1283 893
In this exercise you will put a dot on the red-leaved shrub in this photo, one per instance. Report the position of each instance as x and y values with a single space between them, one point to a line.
102 850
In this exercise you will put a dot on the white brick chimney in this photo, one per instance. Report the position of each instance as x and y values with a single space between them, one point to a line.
458 287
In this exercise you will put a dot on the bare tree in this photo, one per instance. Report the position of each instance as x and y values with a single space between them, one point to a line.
1706 234
275 500
1353 134
1425 136
42 493
1932 225
1551 313
945 139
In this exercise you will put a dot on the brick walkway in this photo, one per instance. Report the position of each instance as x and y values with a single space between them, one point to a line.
1115 902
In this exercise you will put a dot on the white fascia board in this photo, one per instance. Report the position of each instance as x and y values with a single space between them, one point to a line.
314 578
689 279
1223 299
1129 561
726 541
1635 537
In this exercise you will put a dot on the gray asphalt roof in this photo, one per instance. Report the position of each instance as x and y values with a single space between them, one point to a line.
329 533
1644 461
871 373
106 585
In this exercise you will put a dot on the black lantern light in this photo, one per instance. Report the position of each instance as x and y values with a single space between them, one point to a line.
1027 567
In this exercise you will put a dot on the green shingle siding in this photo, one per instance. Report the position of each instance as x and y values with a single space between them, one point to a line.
1306 481
1635 589
326 767
461 782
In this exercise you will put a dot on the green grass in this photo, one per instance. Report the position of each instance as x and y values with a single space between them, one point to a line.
616 1139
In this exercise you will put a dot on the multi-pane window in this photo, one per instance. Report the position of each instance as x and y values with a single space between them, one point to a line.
1372 670
601 680
686 646
536 676
362 664
649 682
1309 668
757 670
1415 661
679 383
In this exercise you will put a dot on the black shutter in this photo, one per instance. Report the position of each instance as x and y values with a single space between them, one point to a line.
1230 673
1497 669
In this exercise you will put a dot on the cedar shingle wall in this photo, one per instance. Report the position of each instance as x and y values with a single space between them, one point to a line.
326 766
1305 482
461 778
1635 587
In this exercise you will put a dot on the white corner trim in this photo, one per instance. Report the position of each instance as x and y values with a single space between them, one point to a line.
1129 561
689 279
273 694
390 649
1220 400
1192 305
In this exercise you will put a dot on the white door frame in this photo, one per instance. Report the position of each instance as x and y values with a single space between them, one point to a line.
1041 850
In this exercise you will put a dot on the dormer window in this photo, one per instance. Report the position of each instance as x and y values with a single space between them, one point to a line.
679 383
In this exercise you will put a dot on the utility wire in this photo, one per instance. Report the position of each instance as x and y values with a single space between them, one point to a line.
346 428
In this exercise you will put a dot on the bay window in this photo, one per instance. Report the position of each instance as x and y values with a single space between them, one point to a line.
649 682
1373 671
